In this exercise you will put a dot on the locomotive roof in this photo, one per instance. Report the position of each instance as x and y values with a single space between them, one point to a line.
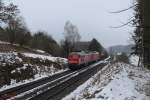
83 52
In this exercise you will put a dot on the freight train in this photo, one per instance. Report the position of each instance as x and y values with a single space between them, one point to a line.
78 60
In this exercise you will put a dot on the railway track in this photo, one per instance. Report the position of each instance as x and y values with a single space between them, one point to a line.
28 86
54 92
50 87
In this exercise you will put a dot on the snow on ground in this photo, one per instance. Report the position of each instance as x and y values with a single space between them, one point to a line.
134 60
116 81
9 57
40 51
42 71
37 77
44 57
2 42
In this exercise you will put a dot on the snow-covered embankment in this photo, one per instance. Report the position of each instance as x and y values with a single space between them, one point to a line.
117 81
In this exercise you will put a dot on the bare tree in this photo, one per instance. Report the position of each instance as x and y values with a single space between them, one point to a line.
71 34
7 12
11 30
23 36
144 25
138 21
16 31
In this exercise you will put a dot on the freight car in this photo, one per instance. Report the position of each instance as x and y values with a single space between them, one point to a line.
78 60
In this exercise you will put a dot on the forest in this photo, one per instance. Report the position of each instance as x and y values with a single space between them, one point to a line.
14 30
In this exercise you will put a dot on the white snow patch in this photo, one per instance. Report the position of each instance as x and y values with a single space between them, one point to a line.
134 60
11 57
40 51
115 82
2 42
44 57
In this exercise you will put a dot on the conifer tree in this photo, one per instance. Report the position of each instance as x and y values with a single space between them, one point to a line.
95 46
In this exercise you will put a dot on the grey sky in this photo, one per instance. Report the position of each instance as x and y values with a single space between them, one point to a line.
92 18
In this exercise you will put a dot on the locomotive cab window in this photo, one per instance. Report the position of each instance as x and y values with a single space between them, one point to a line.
75 56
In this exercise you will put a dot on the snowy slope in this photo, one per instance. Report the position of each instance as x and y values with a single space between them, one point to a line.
2 42
39 71
118 81
44 57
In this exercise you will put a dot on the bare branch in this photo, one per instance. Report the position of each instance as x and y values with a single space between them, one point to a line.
124 9
124 24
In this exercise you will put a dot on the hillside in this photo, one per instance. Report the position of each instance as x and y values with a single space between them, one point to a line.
7 47
120 48
29 64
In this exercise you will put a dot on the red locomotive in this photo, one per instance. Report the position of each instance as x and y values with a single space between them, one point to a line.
78 59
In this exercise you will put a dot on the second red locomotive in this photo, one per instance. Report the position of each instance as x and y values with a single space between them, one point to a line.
78 59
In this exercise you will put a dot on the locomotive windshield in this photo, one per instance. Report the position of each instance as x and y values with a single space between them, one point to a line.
74 56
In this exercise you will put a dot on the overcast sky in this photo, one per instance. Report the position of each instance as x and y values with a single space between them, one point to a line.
92 17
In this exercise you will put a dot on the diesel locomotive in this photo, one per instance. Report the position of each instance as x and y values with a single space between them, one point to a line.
78 60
